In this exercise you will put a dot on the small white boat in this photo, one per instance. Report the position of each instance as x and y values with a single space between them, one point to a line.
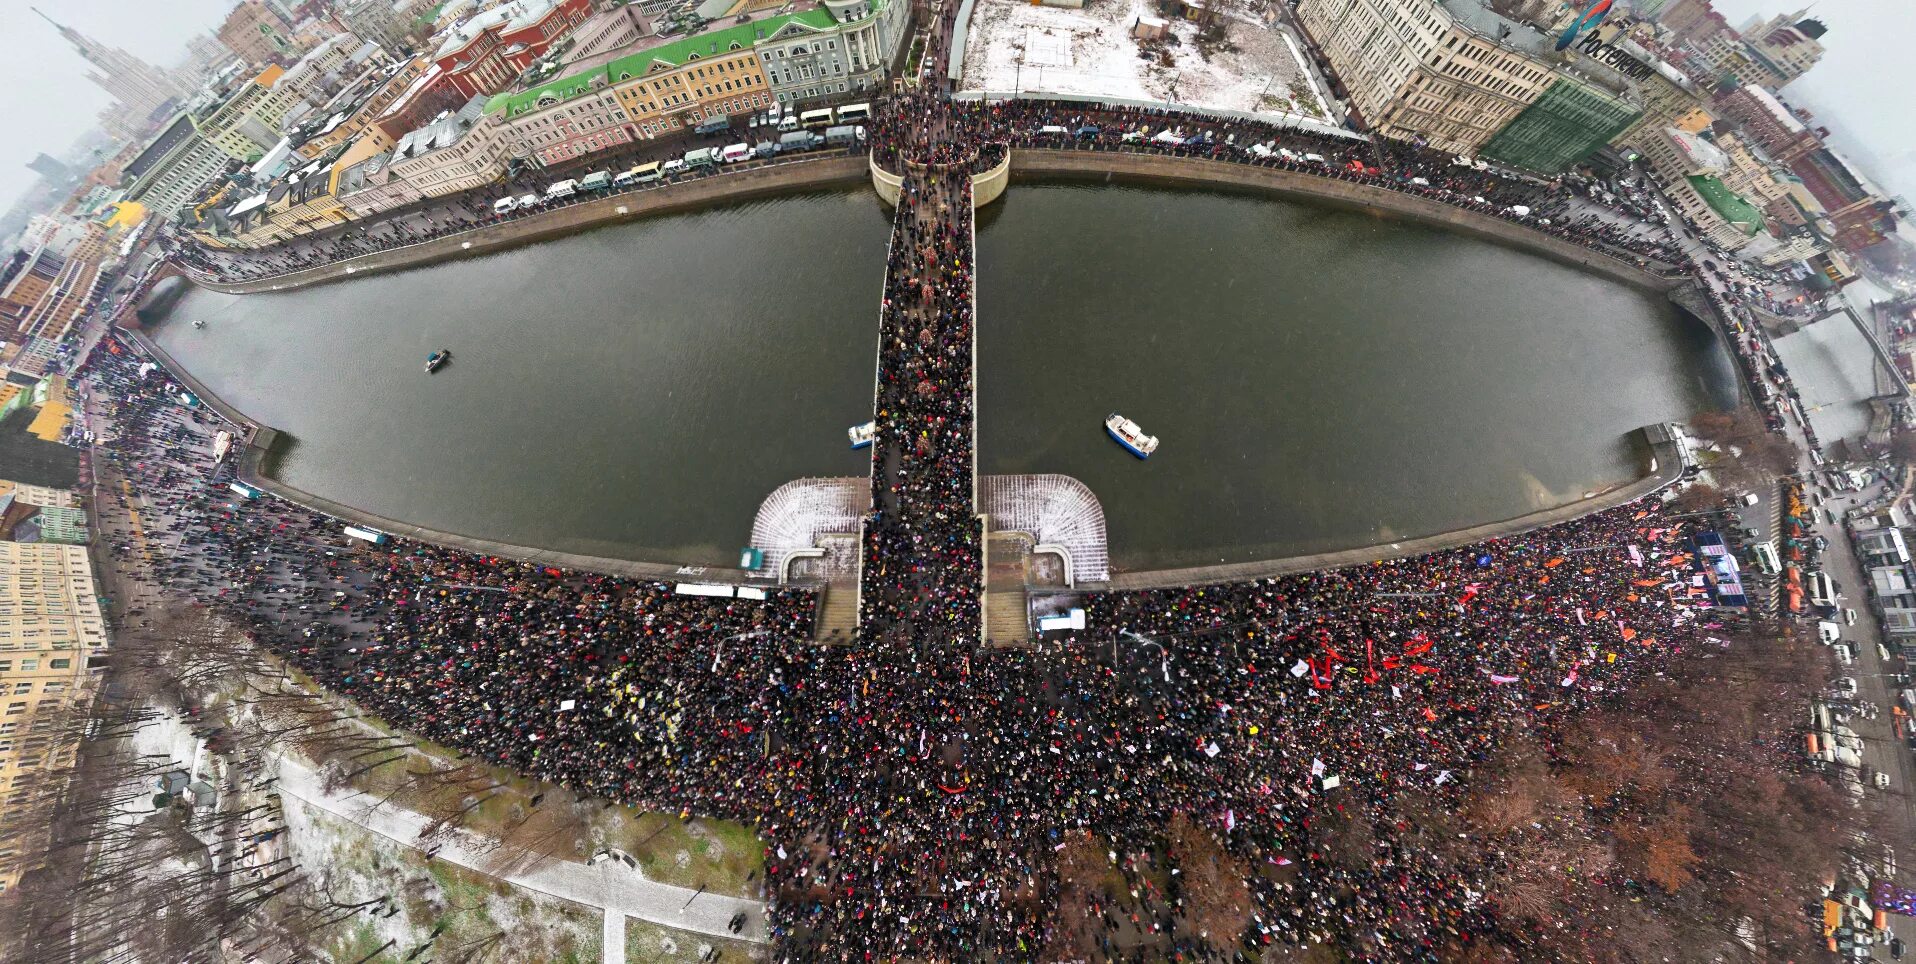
437 359
862 435
199 324
1130 435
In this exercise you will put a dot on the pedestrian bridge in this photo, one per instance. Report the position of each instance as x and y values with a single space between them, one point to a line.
818 518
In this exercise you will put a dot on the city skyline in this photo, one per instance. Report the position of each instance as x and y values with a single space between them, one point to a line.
156 33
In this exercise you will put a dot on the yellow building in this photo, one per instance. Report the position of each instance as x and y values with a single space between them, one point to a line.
51 632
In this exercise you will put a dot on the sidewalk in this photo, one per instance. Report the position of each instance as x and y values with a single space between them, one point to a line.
610 886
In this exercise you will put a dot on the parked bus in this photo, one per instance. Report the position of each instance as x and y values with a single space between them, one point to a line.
854 113
596 181
1822 589
641 174
373 536
704 157
559 189
243 490
819 118
713 125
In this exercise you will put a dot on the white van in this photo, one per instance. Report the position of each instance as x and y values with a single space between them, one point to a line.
1828 632
528 201
736 153
559 189
673 166
1822 590
1053 130
1766 560
788 123
505 205
596 181
1844 654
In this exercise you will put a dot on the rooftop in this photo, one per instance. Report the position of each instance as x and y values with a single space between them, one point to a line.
1476 16
513 16
1702 154
443 132
1728 205
650 53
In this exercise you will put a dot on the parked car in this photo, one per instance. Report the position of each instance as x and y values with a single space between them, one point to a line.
505 205
1844 654
1828 632
1844 686
1849 617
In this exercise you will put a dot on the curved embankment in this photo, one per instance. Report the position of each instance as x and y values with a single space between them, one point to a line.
1200 172
736 185
1664 459
1665 464
261 448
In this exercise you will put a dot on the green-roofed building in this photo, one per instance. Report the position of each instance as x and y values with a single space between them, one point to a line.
1723 215
662 85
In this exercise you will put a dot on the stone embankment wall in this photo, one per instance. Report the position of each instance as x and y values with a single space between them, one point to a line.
1665 466
701 192
1198 172
985 188
264 444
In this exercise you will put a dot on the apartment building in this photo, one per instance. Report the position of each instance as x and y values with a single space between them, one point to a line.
1450 73
52 638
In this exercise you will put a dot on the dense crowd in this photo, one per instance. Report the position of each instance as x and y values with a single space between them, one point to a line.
916 786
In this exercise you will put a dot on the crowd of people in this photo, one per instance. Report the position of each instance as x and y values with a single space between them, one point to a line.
916 785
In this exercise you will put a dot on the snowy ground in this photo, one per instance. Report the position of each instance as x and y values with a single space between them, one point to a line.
1014 46
478 917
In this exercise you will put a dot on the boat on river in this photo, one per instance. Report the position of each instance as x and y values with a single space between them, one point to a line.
863 435
437 360
1130 435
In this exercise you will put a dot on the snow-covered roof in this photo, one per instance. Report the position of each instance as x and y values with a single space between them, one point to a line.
514 15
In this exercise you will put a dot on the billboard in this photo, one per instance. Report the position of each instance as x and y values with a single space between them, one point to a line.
1587 20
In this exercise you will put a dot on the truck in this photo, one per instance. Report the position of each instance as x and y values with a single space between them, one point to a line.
713 125
704 158
848 135
797 141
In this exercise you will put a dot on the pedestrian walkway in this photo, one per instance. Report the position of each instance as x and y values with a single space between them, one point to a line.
616 890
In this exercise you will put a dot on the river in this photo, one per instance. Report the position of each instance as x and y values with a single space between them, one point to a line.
1321 379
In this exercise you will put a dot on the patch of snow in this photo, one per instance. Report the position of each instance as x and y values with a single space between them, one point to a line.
1016 47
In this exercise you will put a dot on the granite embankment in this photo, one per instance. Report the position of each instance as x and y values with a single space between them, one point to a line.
1117 166
732 185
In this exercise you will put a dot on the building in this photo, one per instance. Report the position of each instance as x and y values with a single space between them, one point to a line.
457 152
1692 170
246 123
1767 121
205 58
43 292
173 166
63 524
1692 21
486 53
1450 74
1567 123
51 168
258 34
368 187
849 49
377 21
1861 216
141 91
52 643
1787 46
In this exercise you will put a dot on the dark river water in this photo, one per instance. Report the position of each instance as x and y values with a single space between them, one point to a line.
1320 379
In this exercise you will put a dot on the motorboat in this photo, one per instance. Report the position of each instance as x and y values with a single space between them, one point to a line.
199 323
437 360
863 435
1130 435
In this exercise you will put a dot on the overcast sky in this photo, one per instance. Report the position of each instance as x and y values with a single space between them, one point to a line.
50 101
1865 88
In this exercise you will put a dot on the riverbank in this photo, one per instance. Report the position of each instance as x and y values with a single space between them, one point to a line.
1024 163
1665 466
264 444
1164 169
701 192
